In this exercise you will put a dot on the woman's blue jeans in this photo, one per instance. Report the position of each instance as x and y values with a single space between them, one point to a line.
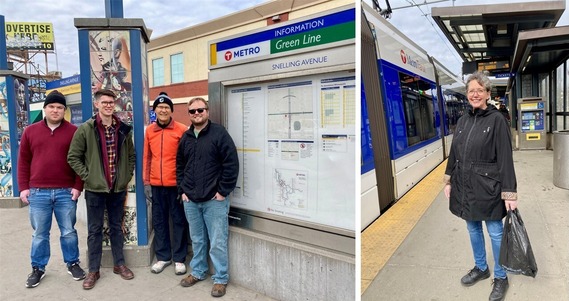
495 229
44 203
208 223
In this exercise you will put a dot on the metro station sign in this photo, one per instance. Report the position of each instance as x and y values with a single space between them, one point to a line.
288 38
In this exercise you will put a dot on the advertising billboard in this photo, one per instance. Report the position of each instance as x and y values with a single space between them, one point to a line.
29 35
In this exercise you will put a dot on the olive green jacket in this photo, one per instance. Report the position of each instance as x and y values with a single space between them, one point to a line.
85 157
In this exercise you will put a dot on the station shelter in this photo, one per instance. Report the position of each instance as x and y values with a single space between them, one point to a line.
521 43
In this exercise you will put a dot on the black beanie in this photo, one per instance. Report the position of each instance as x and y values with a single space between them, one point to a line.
55 97
163 98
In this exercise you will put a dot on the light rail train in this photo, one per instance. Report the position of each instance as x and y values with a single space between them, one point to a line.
410 106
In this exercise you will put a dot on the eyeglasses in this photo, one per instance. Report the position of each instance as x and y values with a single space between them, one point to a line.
479 92
107 103
163 107
199 110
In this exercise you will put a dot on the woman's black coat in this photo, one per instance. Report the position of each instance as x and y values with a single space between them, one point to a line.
481 166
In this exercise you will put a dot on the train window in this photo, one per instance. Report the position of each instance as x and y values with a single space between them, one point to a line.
418 107
455 106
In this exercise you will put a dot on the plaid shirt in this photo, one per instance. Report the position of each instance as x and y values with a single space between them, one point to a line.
111 149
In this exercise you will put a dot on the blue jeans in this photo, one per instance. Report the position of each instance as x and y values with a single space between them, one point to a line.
165 204
96 204
44 202
208 222
495 229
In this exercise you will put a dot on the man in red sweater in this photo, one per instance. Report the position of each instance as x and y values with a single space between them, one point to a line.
159 176
49 185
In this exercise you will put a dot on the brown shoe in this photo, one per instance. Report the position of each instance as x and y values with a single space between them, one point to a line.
218 290
90 280
125 272
189 281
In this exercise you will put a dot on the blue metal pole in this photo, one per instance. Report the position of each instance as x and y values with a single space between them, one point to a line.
3 52
113 9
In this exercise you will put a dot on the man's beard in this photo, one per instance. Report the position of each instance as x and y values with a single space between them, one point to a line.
203 122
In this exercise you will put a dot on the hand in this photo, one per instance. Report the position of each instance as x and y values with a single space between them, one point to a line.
148 192
75 194
218 197
447 190
511 204
185 198
24 196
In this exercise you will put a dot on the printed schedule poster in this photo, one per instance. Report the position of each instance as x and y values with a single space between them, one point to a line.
296 143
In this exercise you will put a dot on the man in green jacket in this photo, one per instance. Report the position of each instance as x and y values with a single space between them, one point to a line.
102 154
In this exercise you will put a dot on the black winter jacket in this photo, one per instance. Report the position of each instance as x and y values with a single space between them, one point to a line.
206 164
481 167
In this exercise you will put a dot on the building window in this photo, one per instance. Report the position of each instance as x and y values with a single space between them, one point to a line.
158 72
177 68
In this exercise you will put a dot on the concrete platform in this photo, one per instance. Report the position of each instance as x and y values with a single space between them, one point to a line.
436 253
15 241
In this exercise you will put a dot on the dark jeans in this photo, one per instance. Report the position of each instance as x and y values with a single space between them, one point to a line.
96 204
165 204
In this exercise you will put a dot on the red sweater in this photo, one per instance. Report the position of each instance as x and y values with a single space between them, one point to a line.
42 161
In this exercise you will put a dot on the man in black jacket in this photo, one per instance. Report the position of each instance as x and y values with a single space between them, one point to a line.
206 172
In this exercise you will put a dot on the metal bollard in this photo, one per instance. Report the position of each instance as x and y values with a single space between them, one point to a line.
561 159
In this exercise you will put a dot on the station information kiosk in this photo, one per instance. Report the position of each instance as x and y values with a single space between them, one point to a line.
287 96
531 123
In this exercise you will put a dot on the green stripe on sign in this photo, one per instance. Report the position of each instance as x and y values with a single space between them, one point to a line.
312 38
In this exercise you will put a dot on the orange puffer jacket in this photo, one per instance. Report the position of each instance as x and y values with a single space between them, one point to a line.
160 146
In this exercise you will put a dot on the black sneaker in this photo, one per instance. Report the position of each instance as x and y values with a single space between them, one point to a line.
499 289
35 277
474 276
76 271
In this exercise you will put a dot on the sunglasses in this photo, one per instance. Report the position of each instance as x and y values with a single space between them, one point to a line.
193 111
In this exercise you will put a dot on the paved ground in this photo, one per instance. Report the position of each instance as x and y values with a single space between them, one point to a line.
15 241
427 265
434 256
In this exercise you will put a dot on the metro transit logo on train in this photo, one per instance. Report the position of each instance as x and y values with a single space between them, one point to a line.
412 62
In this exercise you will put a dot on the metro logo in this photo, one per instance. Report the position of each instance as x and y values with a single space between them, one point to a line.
228 55
241 53
247 51
408 60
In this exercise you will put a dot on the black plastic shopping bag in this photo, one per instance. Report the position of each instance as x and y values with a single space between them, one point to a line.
516 255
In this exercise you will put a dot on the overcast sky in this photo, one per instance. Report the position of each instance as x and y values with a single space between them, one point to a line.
177 14
418 24
161 18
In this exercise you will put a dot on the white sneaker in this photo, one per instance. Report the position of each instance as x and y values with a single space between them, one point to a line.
159 266
180 268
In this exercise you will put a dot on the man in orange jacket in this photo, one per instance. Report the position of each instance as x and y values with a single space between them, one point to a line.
159 176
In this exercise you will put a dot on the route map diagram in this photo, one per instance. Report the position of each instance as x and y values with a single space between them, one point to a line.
290 188
290 111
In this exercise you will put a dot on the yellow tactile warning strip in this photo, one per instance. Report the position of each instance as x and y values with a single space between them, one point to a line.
383 237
